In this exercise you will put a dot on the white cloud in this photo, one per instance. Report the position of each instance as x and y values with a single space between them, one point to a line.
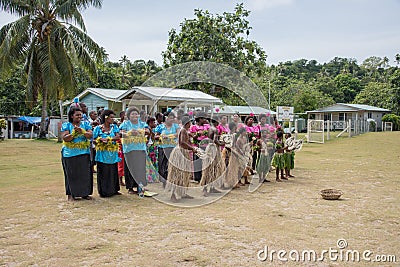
259 5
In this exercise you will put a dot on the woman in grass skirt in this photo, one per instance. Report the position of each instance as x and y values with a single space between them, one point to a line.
75 152
238 160
106 137
180 164
213 167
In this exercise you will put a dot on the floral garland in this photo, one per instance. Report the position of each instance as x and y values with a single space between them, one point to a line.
253 141
197 135
77 145
136 139
76 134
111 145
167 139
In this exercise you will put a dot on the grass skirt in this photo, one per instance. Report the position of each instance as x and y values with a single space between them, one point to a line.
289 160
213 166
236 166
180 171
278 161
263 163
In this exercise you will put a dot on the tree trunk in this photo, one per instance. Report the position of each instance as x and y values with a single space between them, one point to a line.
43 128
61 122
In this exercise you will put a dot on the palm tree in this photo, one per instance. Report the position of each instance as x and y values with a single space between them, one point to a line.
50 37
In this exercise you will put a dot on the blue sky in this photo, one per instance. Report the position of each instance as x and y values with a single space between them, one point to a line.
286 29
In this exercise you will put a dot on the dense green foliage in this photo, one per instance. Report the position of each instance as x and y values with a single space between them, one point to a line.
50 38
304 84
395 119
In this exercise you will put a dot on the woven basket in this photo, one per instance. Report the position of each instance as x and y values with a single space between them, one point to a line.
331 194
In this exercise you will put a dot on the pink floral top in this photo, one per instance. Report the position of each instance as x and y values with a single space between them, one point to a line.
200 133
222 129
253 129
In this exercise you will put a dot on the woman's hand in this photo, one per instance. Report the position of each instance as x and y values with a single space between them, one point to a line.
78 129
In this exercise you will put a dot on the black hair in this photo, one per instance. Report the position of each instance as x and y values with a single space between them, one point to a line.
248 118
105 113
262 115
150 120
160 115
130 110
221 116
279 134
289 134
71 112
171 114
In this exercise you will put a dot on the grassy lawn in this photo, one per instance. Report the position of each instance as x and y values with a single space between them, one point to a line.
38 226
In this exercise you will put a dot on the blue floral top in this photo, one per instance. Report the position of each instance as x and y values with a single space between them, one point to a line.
80 144
163 130
133 142
106 152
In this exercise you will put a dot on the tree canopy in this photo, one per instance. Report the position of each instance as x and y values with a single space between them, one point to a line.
50 37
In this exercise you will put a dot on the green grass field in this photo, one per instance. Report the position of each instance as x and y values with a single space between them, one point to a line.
39 227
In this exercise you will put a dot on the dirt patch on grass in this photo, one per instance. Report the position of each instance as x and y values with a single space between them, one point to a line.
38 226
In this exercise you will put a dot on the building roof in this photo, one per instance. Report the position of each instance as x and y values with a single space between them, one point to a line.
242 110
174 94
107 94
341 107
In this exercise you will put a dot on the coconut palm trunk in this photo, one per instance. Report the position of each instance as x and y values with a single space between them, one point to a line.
43 128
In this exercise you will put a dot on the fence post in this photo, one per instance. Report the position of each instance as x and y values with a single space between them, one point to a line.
295 129
349 129
328 124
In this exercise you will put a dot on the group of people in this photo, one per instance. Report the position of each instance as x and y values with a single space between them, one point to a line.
173 148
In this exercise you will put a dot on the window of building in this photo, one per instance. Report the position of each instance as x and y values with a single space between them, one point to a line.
341 116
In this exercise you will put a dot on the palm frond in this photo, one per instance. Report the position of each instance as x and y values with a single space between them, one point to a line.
86 50
14 40
70 10
64 66
17 7
32 75
88 44
47 65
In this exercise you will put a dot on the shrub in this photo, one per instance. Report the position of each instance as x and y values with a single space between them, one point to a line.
393 118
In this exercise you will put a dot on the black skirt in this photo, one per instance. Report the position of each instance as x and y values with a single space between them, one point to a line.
107 179
135 168
163 157
78 175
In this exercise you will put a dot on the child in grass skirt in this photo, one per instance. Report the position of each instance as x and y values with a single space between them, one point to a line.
264 160
180 164
288 155
278 160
